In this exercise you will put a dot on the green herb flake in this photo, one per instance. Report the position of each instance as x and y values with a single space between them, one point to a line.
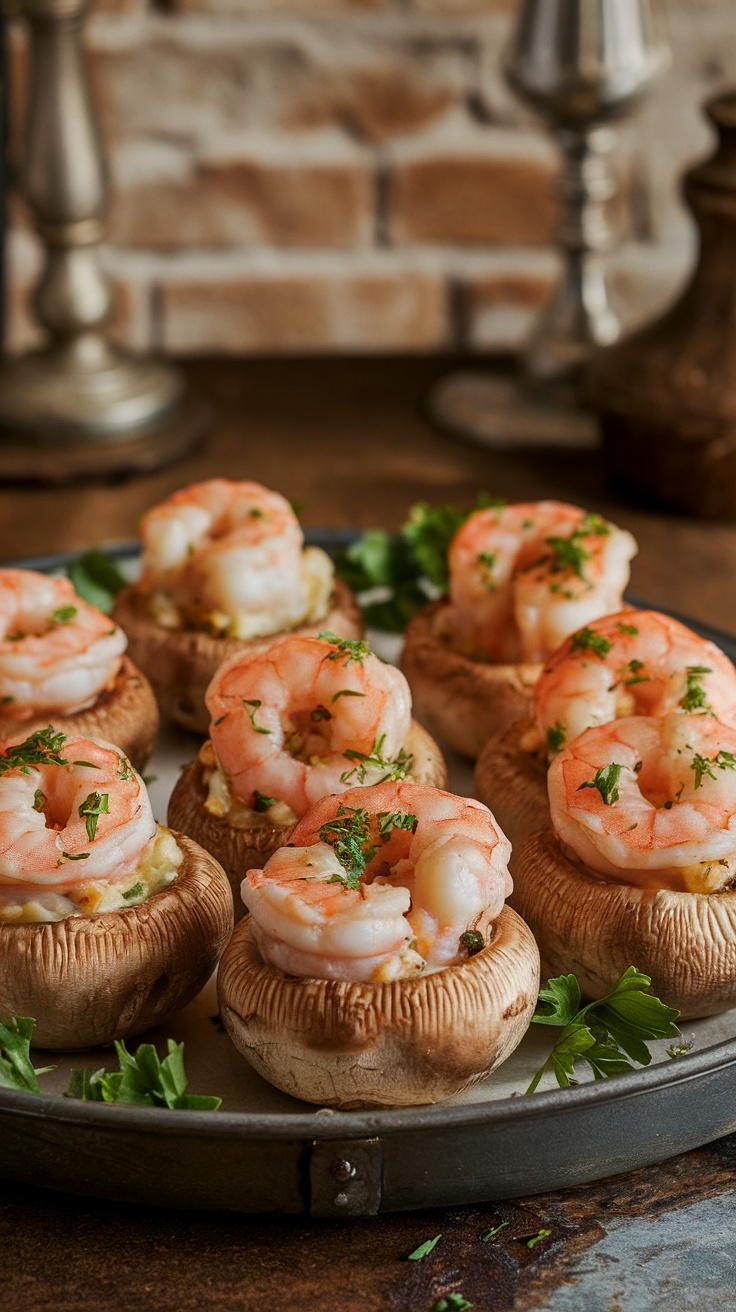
125 769
568 556
555 738
490 1234
256 705
346 649
610 1034
703 765
472 940
64 615
6 700
631 629
72 856
261 801
320 713
695 698
40 748
349 834
424 1249
634 672
96 579
143 1080
347 692
588 640
487 562
219 720
395 769
90 810
452 1303
535 1239
606 781
136 891
39 800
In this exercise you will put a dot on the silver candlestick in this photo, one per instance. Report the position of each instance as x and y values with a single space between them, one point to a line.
79 405
580 64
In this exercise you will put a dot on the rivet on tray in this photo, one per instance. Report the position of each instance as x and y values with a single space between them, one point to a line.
341 1200
343 1171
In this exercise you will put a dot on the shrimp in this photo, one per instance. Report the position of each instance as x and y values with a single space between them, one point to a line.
381 883
636 662
308 716
524 576
650 801
228 556
73 811
57 653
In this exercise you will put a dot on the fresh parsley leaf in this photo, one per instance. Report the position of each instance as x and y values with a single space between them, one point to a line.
611 1034
588 640
695 698
703 765
131 893
261 801
63 615
555 738
143 1080
90 810
396 768
96 579
424 1249
256 704
16 1069
346 650
40 748
606 781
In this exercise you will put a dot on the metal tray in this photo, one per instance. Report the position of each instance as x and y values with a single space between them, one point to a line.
267 1152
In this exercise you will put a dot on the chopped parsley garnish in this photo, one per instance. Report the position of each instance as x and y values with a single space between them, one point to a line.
703 765
39 800
393 769
40 748
534 1240
64 615
96 579
7 699
256 513
452 1303
320 713
568 555
350 834
606 781
695 696
588 640
489 1234
261 801
487 561
346 649
424 1249
634 672
70 856
143 1080
611 1034
93 806
472 940
347 692
256 704
16 1069
136 891
631 629
555 738
125 769
594 525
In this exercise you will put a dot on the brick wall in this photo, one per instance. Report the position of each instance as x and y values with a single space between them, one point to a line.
353 174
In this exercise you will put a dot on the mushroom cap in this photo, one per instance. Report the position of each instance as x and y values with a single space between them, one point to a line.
597 928
411 1041
125 715
180 663
460 700
90 979
511 778
241 848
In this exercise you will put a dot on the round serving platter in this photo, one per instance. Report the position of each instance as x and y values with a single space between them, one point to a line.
266 1152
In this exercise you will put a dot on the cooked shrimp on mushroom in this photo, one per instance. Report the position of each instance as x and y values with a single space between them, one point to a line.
650 801
524 576
228 556
381 883
57 653
635 662
75 825
308 716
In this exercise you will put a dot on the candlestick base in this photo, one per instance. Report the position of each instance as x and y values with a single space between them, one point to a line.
496 411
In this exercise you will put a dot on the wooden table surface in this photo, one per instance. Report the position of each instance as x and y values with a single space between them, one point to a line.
347 439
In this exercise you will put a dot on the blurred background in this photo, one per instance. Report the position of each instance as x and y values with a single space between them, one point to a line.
353 175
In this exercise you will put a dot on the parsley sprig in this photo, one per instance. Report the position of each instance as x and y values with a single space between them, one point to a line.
143 1080
96 579
611 1034
588 639
346 650
695 698
90 810
396 768
16 1068
408 569
703 765
351 834
606 781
